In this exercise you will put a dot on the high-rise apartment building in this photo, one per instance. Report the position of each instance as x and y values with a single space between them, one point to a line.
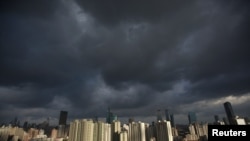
81 130
123 135
164 131
137 131
53 133
61 131
88 130
115 130
230 113
197 131
150 131
73 130
107 132
102 131
142 131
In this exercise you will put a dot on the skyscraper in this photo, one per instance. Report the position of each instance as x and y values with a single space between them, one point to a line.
172 120
110 116
230 113
62 124
192 117
167 115
63 118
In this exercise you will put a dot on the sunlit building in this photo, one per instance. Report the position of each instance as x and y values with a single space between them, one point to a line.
102 131
74 130
53 133
15 133
124 135
137 131
240 121
115 130
164 131
88 130
81 130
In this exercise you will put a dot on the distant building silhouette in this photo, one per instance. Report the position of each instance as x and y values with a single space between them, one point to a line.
110 116
230 113
167 115
63 118
216 118
225 120
192 117
172 120
159 115
130 120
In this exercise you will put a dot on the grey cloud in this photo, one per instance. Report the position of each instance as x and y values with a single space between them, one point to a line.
37 9
130 56
113 12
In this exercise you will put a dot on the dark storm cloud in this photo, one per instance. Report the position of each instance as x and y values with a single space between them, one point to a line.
24 50
223 67
39 8
112 11
220 32
33 50
132 56
203 42
38 60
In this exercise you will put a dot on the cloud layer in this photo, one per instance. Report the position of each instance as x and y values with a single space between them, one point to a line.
133 56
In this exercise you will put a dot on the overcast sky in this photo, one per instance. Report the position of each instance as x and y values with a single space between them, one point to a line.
134 56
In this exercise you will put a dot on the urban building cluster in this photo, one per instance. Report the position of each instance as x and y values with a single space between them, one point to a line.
162 129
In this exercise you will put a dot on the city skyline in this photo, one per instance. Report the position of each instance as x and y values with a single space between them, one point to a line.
83 56
161 115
